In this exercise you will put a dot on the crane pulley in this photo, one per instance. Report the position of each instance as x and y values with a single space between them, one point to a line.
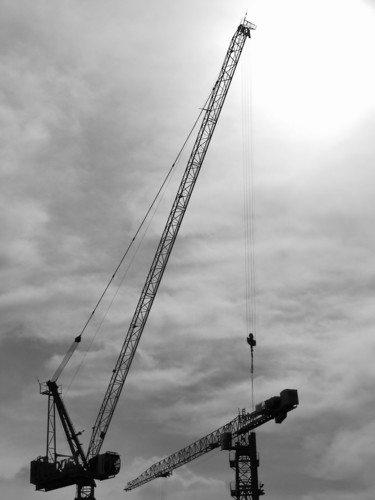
49 472
252 343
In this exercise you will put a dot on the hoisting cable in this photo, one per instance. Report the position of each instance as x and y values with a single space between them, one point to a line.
248 186
77 340
111 301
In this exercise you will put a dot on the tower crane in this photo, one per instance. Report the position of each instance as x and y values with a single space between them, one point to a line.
238 429
53 471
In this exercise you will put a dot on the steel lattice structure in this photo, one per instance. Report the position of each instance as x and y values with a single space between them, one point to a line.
168 237
45 471
243 459
239 426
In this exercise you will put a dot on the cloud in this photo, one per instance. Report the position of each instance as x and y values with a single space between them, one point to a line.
95 102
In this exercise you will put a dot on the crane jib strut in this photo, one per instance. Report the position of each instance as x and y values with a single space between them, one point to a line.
44 469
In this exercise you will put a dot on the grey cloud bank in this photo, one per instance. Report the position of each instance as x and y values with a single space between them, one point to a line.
96 101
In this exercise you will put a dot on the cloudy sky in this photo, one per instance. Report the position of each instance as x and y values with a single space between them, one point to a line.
97 98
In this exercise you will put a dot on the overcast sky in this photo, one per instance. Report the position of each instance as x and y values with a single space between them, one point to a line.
97 98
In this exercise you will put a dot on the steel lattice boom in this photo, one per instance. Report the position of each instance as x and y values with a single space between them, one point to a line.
168 237
274 408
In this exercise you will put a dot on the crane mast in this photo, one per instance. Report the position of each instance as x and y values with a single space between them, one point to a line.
137 324
275 408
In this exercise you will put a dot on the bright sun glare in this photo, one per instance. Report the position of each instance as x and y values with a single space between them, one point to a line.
323 79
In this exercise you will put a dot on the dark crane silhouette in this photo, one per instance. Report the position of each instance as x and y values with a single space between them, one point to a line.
52 471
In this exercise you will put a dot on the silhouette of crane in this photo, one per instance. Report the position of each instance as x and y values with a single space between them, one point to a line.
54 471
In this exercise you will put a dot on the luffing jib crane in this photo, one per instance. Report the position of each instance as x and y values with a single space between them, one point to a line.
275 408
53 471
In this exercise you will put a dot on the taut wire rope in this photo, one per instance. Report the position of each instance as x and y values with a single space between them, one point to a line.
248 211
151 207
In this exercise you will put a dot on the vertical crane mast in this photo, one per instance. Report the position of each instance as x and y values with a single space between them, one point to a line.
243 459
168 238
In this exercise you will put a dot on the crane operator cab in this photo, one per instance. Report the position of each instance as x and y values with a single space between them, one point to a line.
49 476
